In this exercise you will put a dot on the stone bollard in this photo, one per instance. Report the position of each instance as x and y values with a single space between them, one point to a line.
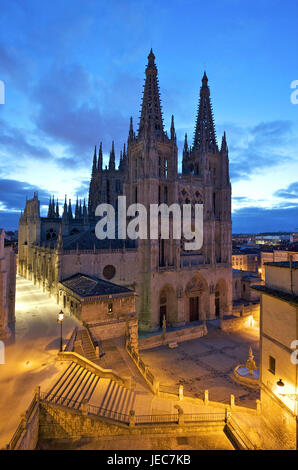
206 398
180 416
84 407
232 401
258 402
132 418
180 392
227 415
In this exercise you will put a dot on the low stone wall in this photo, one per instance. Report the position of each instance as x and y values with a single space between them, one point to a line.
184 334
113 329
26 434
57 422
236 323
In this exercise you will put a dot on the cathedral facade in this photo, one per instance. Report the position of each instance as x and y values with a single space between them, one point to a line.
182 286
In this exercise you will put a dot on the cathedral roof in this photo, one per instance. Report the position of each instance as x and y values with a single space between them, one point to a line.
87 240
90 286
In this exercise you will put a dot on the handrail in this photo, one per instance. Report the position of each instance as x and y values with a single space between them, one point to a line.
235 427
101 412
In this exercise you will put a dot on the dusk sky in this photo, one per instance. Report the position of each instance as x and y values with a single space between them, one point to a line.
73 74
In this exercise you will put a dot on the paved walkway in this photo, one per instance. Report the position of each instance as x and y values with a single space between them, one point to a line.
31 360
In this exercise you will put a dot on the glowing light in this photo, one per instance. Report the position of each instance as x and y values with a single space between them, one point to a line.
60 316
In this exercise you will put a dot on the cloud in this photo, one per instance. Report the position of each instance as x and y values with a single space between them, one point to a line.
78 111
256 219
291 192
253 149
13 194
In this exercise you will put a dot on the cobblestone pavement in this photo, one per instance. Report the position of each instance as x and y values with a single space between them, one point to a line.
207 364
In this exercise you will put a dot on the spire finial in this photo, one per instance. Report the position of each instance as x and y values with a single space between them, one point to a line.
151 57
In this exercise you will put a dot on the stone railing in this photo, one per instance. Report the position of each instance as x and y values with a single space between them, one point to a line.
143 368
70 344
94 368
238 436
26 434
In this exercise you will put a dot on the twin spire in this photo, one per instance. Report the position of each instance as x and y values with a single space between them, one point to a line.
151 121
205 137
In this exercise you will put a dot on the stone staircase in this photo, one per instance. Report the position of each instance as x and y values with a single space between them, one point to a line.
105 396
84 346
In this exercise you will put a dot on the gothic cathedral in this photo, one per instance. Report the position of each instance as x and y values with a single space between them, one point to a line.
170 282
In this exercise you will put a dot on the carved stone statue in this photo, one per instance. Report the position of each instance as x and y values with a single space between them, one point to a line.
250 363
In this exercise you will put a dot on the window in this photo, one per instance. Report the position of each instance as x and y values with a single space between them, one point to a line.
110 308
272 365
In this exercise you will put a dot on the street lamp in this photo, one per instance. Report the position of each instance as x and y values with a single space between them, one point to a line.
280 389
60 320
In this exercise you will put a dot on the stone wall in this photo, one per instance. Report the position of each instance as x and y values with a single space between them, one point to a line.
184 334
281 421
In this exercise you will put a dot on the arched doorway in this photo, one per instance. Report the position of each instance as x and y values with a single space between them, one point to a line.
167 305
220 298
196 299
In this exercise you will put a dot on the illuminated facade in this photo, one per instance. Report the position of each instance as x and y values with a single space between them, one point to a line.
279 360
181 285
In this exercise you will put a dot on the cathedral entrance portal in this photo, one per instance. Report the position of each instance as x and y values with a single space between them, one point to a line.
167 305
162 313
194 308
196 299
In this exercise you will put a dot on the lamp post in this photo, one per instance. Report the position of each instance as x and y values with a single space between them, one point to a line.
60 320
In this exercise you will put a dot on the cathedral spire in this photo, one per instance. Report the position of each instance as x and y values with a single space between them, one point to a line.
64 215
112 158
57 209
185 169
131 132
173 133
50 208
77 208
69 210
100 157
94 166
151 116
224 146
205 137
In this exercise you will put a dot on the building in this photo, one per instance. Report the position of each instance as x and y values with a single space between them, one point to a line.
245 260
184 286
7 288
279 361
274 257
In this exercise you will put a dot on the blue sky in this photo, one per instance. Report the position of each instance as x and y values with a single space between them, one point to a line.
73 74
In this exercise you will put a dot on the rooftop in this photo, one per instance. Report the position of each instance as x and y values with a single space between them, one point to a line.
281 295
90 286
283 264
